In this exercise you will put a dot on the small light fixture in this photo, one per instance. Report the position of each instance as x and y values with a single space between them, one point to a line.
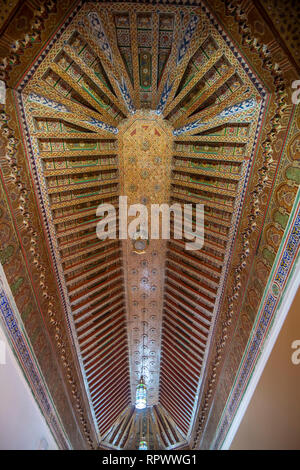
140 241
139 246
143 445
141 395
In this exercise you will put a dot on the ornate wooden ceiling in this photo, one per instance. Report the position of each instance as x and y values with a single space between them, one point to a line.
152 425
158 103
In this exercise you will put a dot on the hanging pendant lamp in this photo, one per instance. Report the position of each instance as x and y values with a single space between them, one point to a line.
143 445
141 395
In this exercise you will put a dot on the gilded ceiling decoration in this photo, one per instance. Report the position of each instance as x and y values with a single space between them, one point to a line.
160 104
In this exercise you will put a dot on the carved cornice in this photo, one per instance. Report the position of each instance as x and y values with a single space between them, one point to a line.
18 47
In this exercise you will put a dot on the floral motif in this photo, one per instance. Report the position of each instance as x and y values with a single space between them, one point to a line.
185 42
164 97
39 99
243 106
98 31
102 125
126 96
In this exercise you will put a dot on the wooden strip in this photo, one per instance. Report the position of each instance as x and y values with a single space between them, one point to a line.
104 115
135 58
198 76
208 92
88 71
155 43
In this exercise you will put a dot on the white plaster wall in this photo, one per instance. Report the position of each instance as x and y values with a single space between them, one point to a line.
272 419
22 425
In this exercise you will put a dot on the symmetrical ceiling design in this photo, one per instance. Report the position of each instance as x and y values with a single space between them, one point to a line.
85 149
152 425
158 104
